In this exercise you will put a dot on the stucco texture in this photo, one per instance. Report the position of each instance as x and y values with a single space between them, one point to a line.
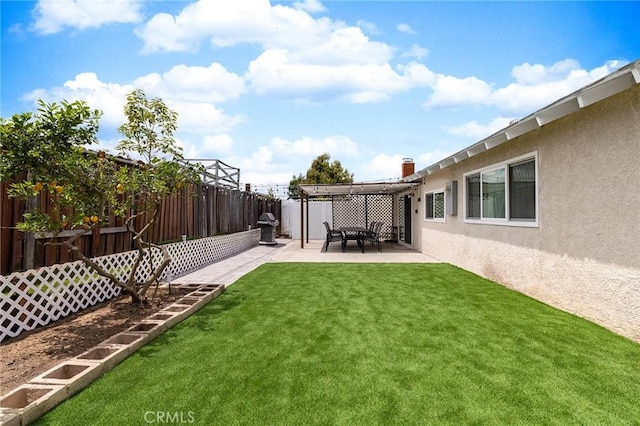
584 255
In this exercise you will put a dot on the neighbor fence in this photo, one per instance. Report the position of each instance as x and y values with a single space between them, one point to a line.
40 296
197 212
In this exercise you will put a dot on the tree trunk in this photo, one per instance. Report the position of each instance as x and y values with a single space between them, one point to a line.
127 288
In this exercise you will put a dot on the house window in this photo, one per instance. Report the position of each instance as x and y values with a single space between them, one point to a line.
473 196
522 190
503 194
493 194
434 206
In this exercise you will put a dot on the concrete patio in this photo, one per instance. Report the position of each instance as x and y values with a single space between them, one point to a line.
227 271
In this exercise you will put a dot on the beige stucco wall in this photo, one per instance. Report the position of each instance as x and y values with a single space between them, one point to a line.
584 256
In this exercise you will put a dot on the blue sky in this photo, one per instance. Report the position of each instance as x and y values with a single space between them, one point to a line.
267 87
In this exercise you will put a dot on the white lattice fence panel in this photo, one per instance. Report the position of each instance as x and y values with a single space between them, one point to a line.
192 254
40 296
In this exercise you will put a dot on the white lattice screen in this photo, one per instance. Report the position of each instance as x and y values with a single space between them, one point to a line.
40 296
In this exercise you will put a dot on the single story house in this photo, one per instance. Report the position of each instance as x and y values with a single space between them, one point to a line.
548 206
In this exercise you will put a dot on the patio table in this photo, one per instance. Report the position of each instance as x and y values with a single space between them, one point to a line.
356 233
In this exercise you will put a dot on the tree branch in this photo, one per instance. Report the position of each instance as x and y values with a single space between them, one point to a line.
166 260
100 270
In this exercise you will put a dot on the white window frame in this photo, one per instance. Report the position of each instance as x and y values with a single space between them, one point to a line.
506 221
442 219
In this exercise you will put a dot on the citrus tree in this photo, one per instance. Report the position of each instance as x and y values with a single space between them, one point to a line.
47 151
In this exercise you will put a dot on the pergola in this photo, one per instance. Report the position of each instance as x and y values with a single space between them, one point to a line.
345 189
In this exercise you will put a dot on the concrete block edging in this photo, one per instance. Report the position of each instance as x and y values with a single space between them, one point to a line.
28 402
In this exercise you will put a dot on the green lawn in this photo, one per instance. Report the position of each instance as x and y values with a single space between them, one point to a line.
366 344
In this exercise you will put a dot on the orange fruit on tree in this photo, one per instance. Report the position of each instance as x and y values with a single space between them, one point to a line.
59 189
120 187
38 186
94 218
86 219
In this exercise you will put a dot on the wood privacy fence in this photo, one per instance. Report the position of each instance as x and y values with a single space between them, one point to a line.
199 211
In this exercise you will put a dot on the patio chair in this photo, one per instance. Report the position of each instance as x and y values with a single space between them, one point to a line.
371 226
373 235
370 230
333 235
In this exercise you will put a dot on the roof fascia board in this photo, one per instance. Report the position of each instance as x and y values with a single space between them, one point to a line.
462 155
496 139
414 177
476 149
558 111
446 162
520 128
433 168
606 89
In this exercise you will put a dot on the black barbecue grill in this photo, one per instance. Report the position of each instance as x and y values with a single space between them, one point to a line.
268 223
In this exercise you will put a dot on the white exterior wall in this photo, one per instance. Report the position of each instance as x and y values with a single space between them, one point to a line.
584 255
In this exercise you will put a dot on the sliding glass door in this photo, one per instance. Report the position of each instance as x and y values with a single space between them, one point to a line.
404 218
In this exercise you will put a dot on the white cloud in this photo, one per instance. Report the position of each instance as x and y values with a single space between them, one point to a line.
202 117
108 97
477 130
193 83
275 73
405 28
419 74
538 85
341 47
209 147
367 26
380 167
311 6
218 145
303 58
537 74
52 16
193 116
416 52
309 148
189 150
229 23
389 166
426 159
281 159
523 99
277 27
451 91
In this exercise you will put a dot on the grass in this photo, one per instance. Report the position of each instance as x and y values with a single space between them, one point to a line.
366 344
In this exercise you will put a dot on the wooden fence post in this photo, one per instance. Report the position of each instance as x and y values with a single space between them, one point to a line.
29 238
